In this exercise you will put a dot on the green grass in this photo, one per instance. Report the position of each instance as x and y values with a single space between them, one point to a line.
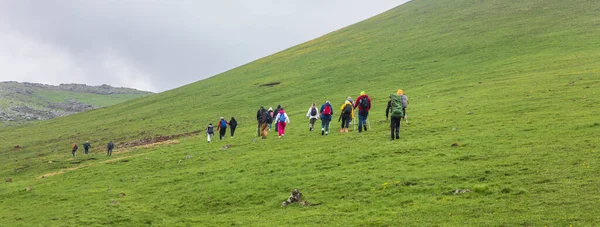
89 98
526 71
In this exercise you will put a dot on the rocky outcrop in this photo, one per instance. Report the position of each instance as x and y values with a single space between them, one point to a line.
21 102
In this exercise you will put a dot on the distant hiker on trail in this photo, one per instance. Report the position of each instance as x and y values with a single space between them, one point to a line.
232 126
313 115
259 119
263 122
222 127
404 102
326 112
271 116
282 121
275 113
74 149
210 132
109 148
363 102
87 146
394 107
346 116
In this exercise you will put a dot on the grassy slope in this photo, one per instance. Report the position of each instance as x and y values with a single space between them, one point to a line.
527 70
89 98
40 98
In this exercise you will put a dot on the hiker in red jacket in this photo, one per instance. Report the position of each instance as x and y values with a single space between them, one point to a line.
363 102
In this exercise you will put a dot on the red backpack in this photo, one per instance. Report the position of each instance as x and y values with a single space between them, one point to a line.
327 110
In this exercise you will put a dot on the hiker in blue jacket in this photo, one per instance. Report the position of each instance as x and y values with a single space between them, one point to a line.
222 127
326 112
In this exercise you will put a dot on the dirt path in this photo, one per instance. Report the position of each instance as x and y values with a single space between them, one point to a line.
123 151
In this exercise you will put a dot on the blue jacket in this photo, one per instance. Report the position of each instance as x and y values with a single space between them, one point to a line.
323 116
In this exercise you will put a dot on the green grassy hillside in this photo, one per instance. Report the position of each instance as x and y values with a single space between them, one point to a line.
514 83
21 103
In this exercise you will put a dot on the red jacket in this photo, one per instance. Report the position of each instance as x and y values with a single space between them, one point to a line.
357 103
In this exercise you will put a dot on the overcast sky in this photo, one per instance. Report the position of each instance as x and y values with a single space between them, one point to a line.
158 45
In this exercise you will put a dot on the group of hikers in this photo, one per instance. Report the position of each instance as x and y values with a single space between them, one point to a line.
396 109
87 146
222 128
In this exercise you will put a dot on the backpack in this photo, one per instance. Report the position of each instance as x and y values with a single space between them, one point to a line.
75 147
404 101
364 102
269 118
313 111
281 117
223 123
327 110
348 109
396 104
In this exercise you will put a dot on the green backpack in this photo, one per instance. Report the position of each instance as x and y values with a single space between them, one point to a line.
396 105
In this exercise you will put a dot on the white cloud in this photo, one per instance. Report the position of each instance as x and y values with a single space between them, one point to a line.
158 45
119 69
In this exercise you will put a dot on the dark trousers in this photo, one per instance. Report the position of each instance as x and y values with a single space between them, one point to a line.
73 152
325 123
395 126
362 120
232 129
346 121
109 152
86 150
312 123
258 129
222 132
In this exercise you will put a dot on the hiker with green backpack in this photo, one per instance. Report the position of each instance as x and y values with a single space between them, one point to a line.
394 107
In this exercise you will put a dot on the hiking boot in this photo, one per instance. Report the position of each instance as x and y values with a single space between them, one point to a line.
397 137
365 128
322 132
327 133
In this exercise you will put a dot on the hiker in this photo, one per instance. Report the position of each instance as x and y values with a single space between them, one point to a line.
394 107
351 100
270 119
275 113
346 116
222 128
74 149
313 115
263 121
404 102
210 131
87 146
326 112
282 121
232 126
363 102
259 116
109 148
